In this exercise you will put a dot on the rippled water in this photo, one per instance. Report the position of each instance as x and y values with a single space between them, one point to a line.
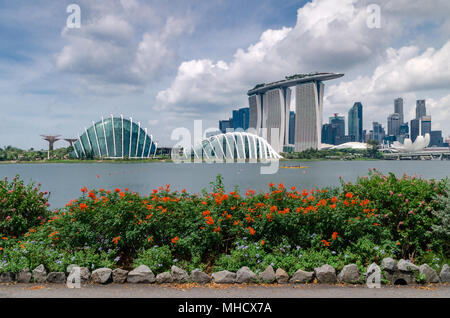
64 181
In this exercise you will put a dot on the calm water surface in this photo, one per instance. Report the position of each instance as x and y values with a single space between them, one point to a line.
64 181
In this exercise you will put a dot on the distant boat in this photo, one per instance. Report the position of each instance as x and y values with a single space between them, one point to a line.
294 167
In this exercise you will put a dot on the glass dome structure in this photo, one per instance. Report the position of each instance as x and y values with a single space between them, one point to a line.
115 137
234 145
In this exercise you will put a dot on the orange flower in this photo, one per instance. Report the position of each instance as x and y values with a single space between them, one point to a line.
325 243
349 195
334 236
209 220
122 194
252 231
83 206
1 248
333 206
207 212
84 189
117 190
376 224
175 240
273 209
334 200
217 229
204 203
263 242
116 240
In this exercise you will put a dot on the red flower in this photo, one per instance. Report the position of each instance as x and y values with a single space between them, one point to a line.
334 236
175 240
325 243
252 230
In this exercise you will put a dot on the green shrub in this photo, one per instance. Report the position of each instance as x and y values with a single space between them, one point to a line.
158 259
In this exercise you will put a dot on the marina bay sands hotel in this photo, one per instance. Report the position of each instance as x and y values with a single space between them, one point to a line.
270 108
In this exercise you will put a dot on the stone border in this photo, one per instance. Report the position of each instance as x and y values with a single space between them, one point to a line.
401 273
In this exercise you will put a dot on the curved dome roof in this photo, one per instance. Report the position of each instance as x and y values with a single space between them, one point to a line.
234 145
115 137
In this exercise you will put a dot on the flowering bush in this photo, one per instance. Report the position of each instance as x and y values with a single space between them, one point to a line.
405 209
21 206
290 228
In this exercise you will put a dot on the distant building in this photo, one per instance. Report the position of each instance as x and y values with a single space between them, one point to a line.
394 123
436 138
398 108
355 121
329 134
421 110
378 132
344 139
339 123
292 128
241 118
425 125
404 132
415 129
225 125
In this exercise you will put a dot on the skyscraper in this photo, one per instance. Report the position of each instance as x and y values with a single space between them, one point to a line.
398 108
308 121
355 121
425 125
339 123
393 122
421 110
415 129
225 125
241 118
378 132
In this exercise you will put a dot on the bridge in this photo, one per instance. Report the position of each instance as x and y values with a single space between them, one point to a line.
441 154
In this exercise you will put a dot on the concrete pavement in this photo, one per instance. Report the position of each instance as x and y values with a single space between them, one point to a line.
221 291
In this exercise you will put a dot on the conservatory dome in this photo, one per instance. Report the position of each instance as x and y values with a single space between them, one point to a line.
115 137
234 145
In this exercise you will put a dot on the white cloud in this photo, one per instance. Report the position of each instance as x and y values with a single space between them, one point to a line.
109 51
328 36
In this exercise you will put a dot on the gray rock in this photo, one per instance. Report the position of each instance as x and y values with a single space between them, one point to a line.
268 275
224 277
350 274
430 274
56 277
302 277
406 266
163 278
389 264
119 276
281 276
200 277
245 275
445 274
70 267
325 274
7 277
179 275
39 274
141 274
81 273
84 273
24 276
102 275
400 278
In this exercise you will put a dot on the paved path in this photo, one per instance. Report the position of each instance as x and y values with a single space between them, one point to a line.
221 291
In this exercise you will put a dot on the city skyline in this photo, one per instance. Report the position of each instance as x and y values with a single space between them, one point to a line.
169 63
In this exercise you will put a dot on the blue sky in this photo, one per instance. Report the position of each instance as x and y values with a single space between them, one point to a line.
167 63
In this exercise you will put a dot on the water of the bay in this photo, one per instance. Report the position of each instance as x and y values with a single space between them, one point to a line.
64 180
